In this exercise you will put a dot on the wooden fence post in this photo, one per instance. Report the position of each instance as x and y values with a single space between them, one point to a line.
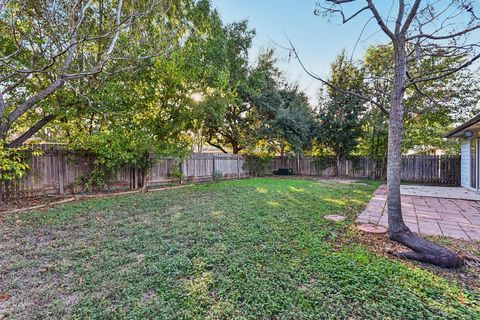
194 162
213 165
181 170
61 171
238 166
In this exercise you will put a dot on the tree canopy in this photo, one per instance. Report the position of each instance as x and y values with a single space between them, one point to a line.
127 79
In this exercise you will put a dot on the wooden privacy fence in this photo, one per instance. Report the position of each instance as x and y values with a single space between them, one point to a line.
360 167
439 170
431 169
59 171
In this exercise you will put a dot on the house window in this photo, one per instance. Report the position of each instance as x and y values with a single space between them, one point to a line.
473 163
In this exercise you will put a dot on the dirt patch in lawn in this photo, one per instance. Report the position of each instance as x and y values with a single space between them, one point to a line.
14 204
468 277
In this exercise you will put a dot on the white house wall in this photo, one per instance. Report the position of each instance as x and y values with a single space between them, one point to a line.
465 164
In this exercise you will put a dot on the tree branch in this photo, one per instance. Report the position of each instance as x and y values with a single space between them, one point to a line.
30 132
380 21
344 19
25 106
445 73
401 12
217 146
444 37
421 92
410 17
331 85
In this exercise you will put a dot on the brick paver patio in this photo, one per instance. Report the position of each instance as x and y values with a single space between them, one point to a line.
454 218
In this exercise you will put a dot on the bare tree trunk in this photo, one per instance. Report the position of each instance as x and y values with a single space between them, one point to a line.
395 137
423 250
235 148
425 34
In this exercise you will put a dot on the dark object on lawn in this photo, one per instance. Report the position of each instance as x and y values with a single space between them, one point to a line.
285 172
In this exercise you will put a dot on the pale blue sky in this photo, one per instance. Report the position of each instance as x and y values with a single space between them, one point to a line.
317 39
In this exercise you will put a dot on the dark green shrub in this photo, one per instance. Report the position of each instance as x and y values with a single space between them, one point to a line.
257 165
217 176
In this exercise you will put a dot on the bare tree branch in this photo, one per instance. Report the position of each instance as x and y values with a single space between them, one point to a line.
445 73
352 93
444 37
380 21
30 132
410 17
421 92
401 12
339 11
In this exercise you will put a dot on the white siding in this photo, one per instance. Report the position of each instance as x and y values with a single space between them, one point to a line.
465 167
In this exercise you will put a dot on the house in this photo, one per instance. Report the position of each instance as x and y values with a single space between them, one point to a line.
469 135
426 151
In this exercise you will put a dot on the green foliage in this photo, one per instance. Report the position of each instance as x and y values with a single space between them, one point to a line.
426 122
137 44
137 105
227 118
217 176
286 120
257 165
124 119
14 162
243 249
96 180
340 115
176 173
374 141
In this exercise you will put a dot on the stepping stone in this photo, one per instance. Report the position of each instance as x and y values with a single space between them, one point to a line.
371 228
334 217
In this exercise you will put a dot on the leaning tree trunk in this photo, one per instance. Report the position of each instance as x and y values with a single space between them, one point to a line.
423 250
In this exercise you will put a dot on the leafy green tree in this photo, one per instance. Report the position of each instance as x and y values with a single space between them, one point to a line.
66 45
115 76
341 116
287 121
156 113
228 117
286 118
429 112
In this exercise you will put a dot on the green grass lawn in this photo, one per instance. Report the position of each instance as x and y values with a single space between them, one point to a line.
245 249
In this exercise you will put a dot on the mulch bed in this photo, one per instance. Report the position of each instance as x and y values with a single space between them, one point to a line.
468 277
